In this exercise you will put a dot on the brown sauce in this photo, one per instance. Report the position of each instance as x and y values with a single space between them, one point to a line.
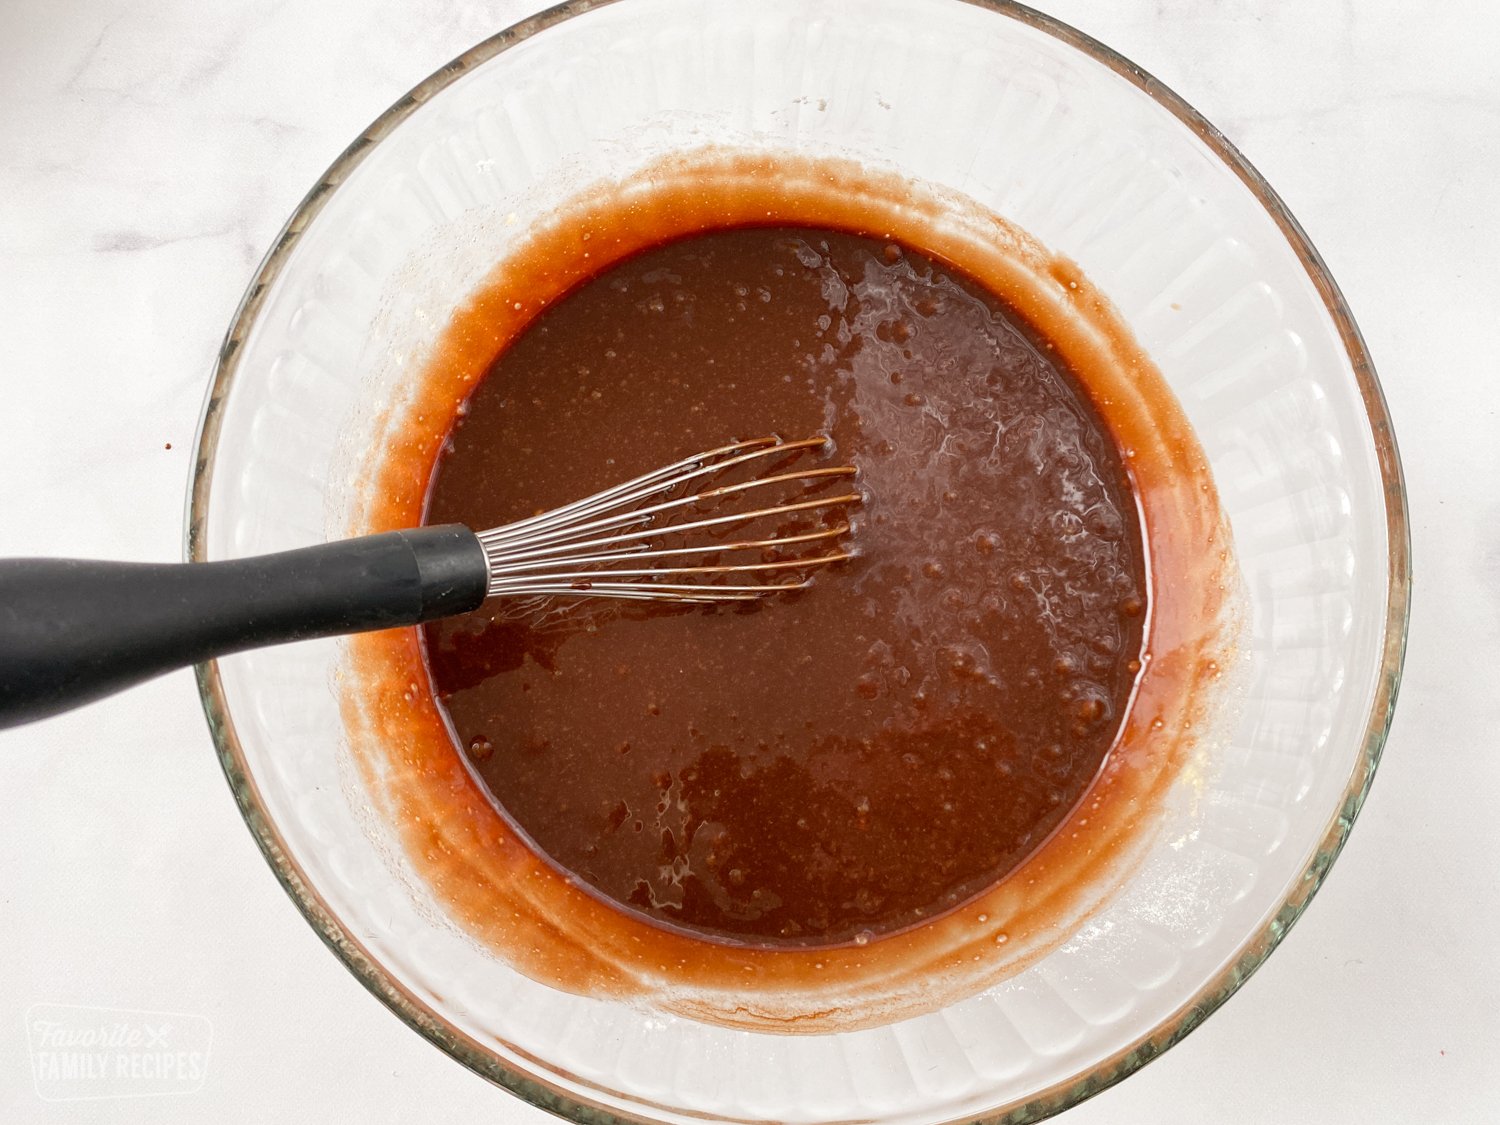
840 763
534 906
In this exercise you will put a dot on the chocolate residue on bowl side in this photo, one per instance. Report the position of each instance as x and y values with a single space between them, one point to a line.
497 886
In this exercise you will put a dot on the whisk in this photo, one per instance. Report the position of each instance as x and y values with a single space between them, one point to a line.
738 523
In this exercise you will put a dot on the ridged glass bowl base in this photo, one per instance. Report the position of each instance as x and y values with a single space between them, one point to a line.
1070 143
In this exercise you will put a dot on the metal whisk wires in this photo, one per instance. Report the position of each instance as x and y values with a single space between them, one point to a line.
660 536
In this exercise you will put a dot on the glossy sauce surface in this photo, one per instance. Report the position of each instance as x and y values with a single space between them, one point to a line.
845 762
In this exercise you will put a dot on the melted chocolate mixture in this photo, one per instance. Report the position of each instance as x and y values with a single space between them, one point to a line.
835 764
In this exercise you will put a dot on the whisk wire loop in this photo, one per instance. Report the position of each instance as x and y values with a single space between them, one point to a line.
610 544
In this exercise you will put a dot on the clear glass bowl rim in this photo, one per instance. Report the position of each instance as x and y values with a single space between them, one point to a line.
1251 953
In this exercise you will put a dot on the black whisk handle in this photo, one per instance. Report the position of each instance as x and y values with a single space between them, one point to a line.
74 630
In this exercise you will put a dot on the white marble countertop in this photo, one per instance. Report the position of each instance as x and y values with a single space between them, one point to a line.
151 152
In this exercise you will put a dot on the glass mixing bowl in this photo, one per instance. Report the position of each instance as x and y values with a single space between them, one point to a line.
1099 162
